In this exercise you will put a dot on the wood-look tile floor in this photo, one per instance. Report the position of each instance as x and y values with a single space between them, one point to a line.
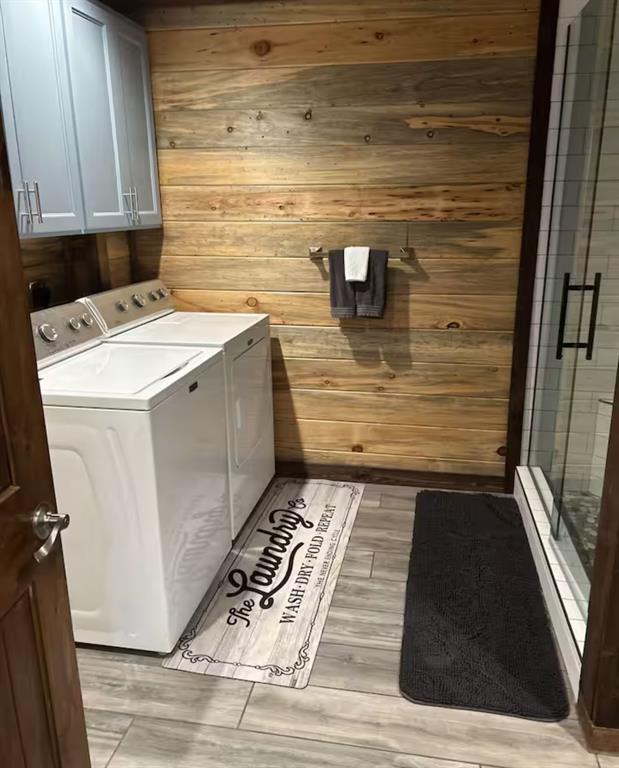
350 716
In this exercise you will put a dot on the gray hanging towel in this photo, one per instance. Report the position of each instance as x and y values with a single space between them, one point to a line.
342 293
370 294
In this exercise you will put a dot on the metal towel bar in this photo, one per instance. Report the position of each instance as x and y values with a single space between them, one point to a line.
316 252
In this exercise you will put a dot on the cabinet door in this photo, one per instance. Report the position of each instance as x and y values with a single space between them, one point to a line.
99 118
137 105
37 111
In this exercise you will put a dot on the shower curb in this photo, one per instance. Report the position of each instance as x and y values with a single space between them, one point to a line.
526 496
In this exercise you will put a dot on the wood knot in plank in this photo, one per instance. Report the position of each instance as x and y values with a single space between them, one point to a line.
261 47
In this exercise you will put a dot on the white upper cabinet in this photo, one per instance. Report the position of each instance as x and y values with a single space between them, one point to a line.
100 124
84 75
137 108
37 111
108 59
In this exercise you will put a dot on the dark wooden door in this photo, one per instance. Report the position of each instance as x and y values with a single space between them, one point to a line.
41 714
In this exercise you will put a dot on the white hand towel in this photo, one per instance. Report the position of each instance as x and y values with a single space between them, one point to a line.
356 258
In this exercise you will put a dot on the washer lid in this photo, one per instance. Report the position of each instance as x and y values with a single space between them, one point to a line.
206 328
123 376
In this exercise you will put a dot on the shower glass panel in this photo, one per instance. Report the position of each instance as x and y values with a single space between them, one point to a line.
578 331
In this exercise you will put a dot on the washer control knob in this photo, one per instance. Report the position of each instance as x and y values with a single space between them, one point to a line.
138 300
164 293
87 319
73 323
47 332
154 296
121 305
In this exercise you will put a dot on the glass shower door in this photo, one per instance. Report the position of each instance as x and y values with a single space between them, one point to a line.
595 174
563 296
579 325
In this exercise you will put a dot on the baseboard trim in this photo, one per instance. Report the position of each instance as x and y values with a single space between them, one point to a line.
382 476
597 739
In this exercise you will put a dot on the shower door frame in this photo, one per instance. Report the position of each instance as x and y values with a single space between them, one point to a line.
598 701
540 119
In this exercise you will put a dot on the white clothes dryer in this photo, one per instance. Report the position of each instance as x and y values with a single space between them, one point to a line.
144 313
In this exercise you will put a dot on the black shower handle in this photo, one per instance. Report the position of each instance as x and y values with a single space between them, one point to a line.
595 301
588 345
563 315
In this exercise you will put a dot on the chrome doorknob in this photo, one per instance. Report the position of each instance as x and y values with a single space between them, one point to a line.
47 525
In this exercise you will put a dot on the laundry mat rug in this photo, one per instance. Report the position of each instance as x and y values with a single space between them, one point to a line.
476 634
263 618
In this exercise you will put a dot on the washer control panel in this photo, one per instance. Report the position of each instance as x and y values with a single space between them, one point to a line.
124 307
61 328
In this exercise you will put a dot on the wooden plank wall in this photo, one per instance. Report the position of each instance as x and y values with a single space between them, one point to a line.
78 265
67 265
287 124
114 259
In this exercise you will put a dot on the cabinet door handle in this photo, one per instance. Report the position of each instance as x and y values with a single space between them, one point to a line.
28 212
37 197
137 207
130 212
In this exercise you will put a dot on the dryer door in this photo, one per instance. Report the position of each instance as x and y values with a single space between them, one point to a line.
251 393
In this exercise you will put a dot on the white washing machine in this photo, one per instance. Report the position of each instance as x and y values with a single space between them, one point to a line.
144 313
137 437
